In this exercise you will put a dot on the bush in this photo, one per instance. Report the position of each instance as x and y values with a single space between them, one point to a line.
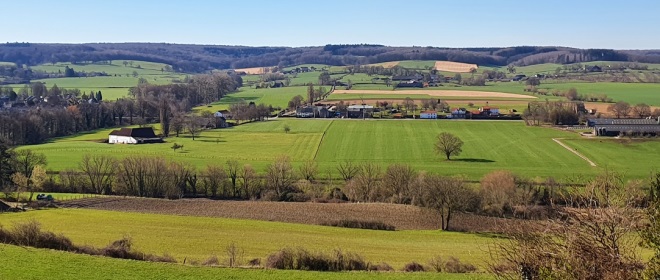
454 265
254 262
436 264
360 224
302 259
381 267
413 267
211 261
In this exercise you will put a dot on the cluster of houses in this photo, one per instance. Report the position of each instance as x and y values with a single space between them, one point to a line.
366 111
416 81
627 127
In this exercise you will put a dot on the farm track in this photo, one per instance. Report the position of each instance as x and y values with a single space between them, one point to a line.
574 151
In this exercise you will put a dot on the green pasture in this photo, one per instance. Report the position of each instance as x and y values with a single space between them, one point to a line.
489 146
632 93
197 238
115 68
29 263
278 97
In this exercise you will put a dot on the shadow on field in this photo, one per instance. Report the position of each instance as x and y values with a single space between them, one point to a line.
474 160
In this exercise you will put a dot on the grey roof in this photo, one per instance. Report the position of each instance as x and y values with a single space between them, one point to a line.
138 132
633 128
623 121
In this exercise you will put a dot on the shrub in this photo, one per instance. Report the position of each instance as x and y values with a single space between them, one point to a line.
436 264
413 267
454 265
282 259
381 267
360 224
254 262
211 261
302 259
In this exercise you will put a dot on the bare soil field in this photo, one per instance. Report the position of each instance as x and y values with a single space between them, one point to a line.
253 70
403 217
440 93
455 67
602 107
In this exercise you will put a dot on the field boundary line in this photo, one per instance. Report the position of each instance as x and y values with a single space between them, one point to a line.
574 151
322 138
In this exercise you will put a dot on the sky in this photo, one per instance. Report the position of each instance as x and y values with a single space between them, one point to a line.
630 24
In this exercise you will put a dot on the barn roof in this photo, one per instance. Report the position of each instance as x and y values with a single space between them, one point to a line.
623 121
138 132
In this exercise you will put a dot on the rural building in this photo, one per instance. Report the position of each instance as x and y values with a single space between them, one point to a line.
428 115
518 77
489 111
305 112
133 136
594 68
4 206
416 77
458 113
360 111
410 84
630 127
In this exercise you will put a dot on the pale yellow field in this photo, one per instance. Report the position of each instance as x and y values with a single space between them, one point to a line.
385 64
455 67
453 93
254 70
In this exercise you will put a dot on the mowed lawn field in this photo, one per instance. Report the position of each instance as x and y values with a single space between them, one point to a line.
489 146
197 238
49 264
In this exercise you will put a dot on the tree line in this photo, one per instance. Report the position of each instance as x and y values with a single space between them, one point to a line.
62 112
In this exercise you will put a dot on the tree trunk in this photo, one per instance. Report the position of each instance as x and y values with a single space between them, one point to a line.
448 218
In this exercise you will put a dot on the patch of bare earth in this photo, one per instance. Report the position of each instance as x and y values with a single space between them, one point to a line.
253 70
455 67
439 93
403 217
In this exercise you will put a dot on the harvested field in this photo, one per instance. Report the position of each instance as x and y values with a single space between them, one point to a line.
602 107
385 64
401 216
253 70
440 93
455 67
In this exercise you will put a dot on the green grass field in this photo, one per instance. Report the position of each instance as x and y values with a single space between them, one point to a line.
197 238
278 97
489 145
49 264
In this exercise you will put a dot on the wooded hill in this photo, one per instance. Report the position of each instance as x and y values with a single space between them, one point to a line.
200 58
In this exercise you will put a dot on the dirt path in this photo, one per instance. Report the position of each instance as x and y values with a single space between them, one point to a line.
574 151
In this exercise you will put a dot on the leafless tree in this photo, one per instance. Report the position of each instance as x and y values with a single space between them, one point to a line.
280 176
233 169
348 170
620 109
642 110
365 185
250 182
447 195
213 178
398 181
308 170
99 171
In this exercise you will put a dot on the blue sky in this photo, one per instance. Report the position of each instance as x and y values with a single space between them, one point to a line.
630 24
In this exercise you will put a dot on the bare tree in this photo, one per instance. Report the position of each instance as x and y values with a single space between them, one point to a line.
234 255
620 109
233 169
642 110
397 182
250 182
364 186
348 170
213 178
448 145
447 195
308 170
99 171
194 126
280 177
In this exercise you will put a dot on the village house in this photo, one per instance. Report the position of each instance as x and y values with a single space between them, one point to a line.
458 113
139 135
360 111
305 112
489 111
428 115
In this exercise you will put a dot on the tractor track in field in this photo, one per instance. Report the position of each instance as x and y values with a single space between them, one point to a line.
316 153
574 151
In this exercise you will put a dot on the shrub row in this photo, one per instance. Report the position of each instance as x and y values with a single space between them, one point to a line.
30 234
375 225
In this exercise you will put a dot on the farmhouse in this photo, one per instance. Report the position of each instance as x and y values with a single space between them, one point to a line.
489 111
630 127
305 112
428 115
133 136
458 113
360 111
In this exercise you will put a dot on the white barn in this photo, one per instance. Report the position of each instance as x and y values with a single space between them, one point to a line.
133 136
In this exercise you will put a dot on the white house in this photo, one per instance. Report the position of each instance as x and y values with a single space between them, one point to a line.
133 136
428 115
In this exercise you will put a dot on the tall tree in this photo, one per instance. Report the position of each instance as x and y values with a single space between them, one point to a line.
620 109
448 145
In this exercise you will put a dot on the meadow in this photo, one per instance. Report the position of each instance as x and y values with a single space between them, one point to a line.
489 146
277 97
49 264
197 238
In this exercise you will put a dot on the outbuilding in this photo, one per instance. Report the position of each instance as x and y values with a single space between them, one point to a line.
428 115
138 135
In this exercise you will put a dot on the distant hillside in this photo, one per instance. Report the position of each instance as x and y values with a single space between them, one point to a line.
199 58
